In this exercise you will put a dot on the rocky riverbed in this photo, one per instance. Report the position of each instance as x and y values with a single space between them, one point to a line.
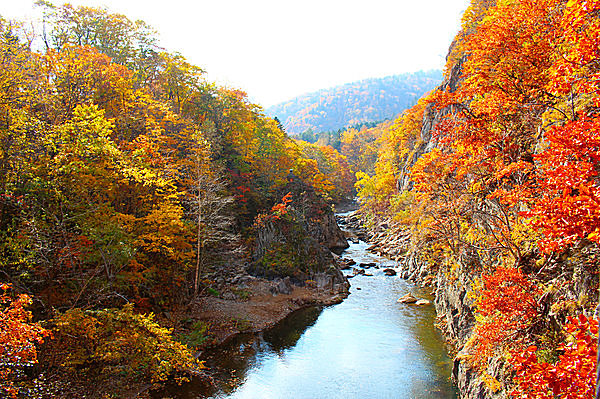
455 312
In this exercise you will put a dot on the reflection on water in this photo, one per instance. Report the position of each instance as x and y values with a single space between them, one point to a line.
288 332
369 346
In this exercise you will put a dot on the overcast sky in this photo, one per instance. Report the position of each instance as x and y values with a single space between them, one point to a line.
278 49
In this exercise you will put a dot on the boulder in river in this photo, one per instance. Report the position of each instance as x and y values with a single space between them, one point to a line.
389 272
345 263
423 302
367 265
408 298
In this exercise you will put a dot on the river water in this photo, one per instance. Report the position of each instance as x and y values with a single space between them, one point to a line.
368 346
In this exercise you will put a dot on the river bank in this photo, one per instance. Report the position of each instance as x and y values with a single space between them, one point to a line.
368 345
452 297
263 304
254 304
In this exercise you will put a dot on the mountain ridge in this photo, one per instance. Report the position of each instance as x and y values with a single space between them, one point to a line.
367 100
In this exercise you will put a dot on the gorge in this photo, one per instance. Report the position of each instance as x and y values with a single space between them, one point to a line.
161 236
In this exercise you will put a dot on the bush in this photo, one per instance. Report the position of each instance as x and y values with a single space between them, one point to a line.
198 335
119 345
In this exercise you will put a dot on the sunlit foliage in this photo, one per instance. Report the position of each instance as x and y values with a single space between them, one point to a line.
508 179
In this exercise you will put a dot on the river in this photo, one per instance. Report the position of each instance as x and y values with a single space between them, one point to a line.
368 346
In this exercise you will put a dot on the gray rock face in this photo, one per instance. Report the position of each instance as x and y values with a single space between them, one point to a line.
304 238
333 279
453 304
327 232
282 286
323 280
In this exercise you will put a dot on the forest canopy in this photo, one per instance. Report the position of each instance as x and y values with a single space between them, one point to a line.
496 177
126 178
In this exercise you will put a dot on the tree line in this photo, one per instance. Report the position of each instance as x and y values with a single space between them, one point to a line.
127 181
496 175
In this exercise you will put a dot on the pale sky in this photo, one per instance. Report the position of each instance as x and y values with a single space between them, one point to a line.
278 49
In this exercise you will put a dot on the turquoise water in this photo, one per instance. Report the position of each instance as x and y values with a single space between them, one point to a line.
369 346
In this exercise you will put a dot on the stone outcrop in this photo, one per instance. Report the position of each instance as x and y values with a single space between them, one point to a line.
408 298
282 286
326 231
297 244
316 216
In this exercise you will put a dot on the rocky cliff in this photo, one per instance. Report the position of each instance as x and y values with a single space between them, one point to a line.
453 301
297 243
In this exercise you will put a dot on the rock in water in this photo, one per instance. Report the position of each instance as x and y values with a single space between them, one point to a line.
389 272
423 302
408 298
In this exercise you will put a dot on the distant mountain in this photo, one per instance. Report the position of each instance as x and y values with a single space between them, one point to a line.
353 103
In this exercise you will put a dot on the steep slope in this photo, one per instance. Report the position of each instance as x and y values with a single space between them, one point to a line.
487 191
352 103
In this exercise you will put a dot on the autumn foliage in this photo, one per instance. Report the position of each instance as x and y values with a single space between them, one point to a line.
505 308
127 177
120 346
572 376
19 337
496 175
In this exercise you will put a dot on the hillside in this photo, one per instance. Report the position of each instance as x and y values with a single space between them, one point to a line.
130 186
363 101
487 191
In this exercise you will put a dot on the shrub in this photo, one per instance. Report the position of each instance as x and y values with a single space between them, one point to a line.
120 345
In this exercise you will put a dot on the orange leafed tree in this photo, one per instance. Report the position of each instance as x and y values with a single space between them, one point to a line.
18 336
568 175
571 377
